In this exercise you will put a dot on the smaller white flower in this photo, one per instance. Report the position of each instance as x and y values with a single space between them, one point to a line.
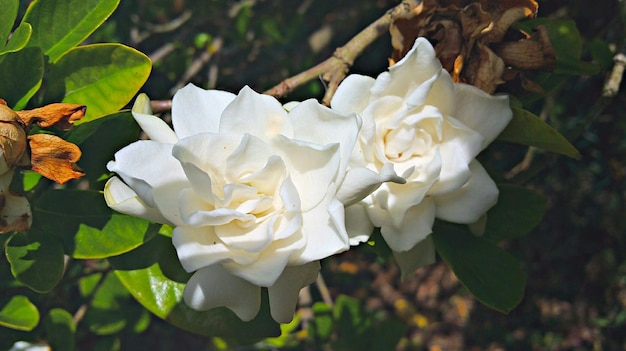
431 130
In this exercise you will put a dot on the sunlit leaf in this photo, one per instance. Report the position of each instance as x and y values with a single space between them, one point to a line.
517 212
30 180
21 73
7 18
19 313
492 275
528 129
104 77
58 26
153 275
121 234
60 328
19 39
112 308
36 260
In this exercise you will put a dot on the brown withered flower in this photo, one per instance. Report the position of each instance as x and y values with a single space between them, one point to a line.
475 42
49 155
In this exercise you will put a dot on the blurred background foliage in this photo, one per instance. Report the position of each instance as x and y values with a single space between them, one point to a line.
575 260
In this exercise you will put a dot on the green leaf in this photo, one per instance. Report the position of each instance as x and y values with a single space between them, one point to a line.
7 18
36 259
22 73
58 26
112 308
100 139
321 327
153 275
19 39
121 234
31 179
104 77
517 212
60 328
528 129
492 275
19 313
61 212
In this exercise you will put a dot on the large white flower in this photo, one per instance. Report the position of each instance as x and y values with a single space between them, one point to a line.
430 129
256 194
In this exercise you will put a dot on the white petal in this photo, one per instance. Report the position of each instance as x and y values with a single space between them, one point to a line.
422 254
213 287
251 156
360 182
122 198
358 224
208 153
256 114
352 95
416 225
264 271
487 114
153 126
320 125
195 110
145 165
467 204
458 149
283 295
325 232
199 247
416 67
311 168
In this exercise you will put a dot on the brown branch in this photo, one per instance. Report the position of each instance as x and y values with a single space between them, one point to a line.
334 69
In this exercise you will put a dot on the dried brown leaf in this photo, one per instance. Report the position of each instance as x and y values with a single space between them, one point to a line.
54 158
60 115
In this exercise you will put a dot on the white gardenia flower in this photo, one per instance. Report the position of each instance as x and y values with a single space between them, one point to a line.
431 130
256 193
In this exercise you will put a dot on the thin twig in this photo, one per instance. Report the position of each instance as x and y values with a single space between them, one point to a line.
611 86
334 69
198 63
137 37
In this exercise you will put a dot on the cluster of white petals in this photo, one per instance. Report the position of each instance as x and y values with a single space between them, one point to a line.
431 129
256 194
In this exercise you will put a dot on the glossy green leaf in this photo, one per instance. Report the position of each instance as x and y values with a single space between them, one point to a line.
528 129
30 180
62 212
19 313
7 18
492 275
121 234
153 275
36 259
100 139
112 308
322 324
21 73
58 26
104 77
19 39
517 212
60 328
